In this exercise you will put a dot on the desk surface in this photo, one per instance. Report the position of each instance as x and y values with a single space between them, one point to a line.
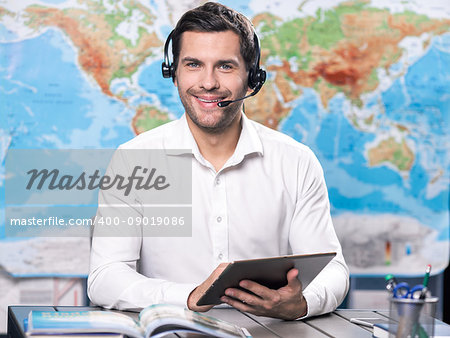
336 324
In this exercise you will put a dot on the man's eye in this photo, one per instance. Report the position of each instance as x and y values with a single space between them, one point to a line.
226 67
192 65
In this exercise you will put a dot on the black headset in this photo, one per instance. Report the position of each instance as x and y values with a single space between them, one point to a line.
256 75
168 70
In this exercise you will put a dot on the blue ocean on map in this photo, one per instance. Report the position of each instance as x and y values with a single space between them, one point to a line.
152 81
340 147
6 34
45 110
50 111
49 101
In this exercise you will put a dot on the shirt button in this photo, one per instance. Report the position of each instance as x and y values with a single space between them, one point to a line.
218 181
219 219
220 256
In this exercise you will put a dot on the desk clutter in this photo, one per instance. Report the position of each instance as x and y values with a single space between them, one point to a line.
154 321
403 290
411 313
412 310
342 323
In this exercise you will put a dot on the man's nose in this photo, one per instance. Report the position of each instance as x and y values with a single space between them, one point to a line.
209 80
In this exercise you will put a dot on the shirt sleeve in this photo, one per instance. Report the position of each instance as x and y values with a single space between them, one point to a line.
312 231
114 280
115 283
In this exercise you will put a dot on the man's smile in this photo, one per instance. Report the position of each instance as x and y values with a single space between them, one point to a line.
208 99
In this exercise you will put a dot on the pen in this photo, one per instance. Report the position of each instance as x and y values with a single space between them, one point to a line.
425 282
365 321
391 282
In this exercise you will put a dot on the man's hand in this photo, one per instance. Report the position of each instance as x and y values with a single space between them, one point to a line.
285 303
198 292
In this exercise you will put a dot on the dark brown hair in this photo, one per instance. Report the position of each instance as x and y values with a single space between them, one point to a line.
215 17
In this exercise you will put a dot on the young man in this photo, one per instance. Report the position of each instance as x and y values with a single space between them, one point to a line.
256 192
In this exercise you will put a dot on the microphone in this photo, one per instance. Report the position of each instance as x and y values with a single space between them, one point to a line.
223 104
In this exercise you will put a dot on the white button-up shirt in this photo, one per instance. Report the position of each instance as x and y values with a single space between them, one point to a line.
269 199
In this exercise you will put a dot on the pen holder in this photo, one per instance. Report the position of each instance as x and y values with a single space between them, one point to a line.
409 317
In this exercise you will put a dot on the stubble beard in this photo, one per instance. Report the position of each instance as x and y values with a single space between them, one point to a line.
227 115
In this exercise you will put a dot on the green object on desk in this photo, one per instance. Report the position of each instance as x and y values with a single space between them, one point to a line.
427 275
423 294
422 333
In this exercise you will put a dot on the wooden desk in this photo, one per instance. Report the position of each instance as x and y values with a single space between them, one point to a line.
336 324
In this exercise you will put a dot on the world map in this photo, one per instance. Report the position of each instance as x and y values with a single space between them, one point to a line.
365 84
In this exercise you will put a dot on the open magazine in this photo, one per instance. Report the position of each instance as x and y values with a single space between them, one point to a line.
154 321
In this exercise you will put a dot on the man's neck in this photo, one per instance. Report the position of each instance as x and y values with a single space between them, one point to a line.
217 148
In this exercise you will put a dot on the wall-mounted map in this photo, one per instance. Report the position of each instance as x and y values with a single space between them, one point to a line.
365 84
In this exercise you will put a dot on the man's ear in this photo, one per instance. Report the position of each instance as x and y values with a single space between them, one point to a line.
175 82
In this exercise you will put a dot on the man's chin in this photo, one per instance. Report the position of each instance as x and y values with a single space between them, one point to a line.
211 128
207 119
211 121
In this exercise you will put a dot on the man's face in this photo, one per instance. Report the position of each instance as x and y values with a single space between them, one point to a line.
211 69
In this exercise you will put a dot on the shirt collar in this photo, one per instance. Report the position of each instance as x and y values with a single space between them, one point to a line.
179 140
249 141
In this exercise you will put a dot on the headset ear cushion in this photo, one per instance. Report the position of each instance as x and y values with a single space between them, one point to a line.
261 75
256 79
166 70
252 81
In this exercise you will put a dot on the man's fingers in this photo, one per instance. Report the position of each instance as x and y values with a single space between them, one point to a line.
294 284
265 293
243 296
292 276
237 304
258 289
198 292
260 296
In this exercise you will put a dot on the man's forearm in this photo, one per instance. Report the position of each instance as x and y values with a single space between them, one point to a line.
120 287
328 289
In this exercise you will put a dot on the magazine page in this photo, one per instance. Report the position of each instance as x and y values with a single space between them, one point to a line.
160 319
64 322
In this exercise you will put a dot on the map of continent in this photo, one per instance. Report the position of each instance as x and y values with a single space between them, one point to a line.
364 84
